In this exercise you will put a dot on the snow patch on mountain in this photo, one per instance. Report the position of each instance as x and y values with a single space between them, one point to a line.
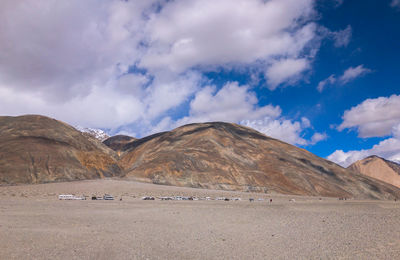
96 133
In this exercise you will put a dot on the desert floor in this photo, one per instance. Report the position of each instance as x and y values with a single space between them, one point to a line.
34 224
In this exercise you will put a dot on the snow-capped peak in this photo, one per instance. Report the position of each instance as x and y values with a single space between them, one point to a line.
96 133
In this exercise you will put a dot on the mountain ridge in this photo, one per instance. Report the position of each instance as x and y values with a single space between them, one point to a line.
378 168
221 155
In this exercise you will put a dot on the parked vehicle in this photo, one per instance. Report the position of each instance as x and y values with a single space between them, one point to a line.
108 197
148 198
70 197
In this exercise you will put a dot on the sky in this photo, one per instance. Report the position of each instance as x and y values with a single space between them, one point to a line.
319 74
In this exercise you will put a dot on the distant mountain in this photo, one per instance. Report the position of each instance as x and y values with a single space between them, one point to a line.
96 133
118 142
378 168
37 149
229 156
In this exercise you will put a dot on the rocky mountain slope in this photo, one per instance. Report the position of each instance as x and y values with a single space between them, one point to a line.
378 168
37 149
229 156
118 142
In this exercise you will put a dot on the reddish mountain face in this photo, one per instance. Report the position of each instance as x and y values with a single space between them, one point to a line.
378 168
37 149
229 156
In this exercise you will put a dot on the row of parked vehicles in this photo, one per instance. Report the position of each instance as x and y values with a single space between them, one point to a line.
83 197
105 197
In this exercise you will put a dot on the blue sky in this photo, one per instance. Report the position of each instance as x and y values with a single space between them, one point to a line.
322 75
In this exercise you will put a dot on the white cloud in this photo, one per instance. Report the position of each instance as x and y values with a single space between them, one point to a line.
342 38
209 33
133 84
373 117
165 95
285 130
104 106
348 75
59 49
305 122
232 103
119 64
98 109
353 73
395 4
388 149
318 137
287 70
396 131
328 81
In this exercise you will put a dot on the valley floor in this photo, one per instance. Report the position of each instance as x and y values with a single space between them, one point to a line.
34 224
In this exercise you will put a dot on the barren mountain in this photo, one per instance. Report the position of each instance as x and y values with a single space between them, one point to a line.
378 168
37 149
229 156
118 142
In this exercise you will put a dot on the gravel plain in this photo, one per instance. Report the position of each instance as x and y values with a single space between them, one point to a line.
34 224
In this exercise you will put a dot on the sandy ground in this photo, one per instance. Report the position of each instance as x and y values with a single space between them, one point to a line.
34 224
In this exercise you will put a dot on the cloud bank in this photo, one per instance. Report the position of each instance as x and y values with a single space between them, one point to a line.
129 65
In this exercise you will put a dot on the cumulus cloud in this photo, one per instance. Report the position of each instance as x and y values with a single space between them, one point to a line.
285 130
231 103
62 49
318 137
285 71
104 106
373 117
207 33
353 73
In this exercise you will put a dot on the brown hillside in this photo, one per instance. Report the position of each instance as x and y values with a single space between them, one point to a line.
118 142
229 156
378 168
37 149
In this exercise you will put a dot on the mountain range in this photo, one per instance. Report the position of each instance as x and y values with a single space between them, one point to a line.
216 155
